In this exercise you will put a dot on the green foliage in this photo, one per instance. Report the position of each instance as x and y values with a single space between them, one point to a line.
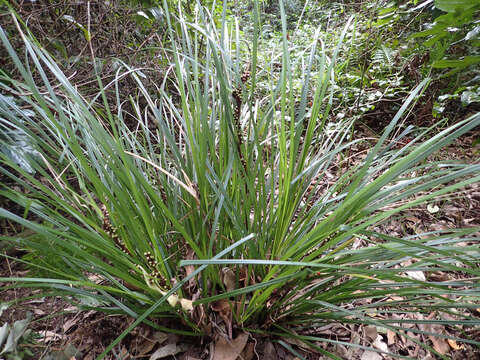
458 25
217 179
456 5
13 337
447 45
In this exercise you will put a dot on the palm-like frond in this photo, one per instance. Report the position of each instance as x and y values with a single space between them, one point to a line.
384 56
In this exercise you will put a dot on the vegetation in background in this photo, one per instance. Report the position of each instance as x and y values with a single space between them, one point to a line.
208 195
446 47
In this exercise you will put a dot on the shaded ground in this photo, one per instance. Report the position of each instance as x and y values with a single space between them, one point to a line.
89 332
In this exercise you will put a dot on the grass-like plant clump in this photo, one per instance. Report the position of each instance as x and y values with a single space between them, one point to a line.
218 200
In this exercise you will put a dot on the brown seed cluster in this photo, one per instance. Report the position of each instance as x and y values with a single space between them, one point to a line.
245 76
236 94
237 97
309 196
163 195
111 231
153 264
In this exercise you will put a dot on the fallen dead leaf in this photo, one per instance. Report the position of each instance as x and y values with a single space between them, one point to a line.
223 308
453 344
189 269
269 353
341 351
186 304
167 350
248 352
355 338
380 344
390 337
48 336
229 278
148 343
413 219
371 332
371 355
71 309
70 323
144 347
229 350
439 344
416 275
297 342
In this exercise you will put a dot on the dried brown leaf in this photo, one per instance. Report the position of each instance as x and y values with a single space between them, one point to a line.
144 347
48 336
391 337
229 349
149 343
269 353
371 355
248 352
189 269
297 342
70 323
229 278
371 332
453 344
223 308
167 350
416 275
159 337
440 345
380 344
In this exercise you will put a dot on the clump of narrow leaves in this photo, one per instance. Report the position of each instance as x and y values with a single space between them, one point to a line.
218 201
